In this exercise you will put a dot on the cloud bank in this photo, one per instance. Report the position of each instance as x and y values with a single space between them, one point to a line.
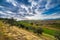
30 9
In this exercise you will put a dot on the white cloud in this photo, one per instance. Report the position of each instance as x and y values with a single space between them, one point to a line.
24 9
13 2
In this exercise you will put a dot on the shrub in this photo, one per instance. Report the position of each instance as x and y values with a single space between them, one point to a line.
21 25
39 30
31 23
57 35
37 24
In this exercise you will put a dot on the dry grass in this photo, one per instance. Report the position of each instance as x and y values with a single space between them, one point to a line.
14 33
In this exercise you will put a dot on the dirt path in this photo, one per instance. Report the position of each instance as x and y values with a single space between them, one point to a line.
17 33
48 37
25 34
52 28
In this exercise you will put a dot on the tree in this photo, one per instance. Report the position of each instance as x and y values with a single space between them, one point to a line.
11 21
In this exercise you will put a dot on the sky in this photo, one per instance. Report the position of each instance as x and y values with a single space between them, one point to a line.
30 9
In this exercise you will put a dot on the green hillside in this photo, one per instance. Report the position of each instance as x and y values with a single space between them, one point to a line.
39 28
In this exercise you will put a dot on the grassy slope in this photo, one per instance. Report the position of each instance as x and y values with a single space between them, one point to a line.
49 26
14 33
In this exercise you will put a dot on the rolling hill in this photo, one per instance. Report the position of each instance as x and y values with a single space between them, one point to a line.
10 31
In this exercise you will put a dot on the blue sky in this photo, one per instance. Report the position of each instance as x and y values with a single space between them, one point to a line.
30 9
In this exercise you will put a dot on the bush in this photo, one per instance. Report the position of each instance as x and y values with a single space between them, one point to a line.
21 25
31 23
57 35
39 30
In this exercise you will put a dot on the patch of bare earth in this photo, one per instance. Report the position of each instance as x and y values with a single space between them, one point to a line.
52 28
